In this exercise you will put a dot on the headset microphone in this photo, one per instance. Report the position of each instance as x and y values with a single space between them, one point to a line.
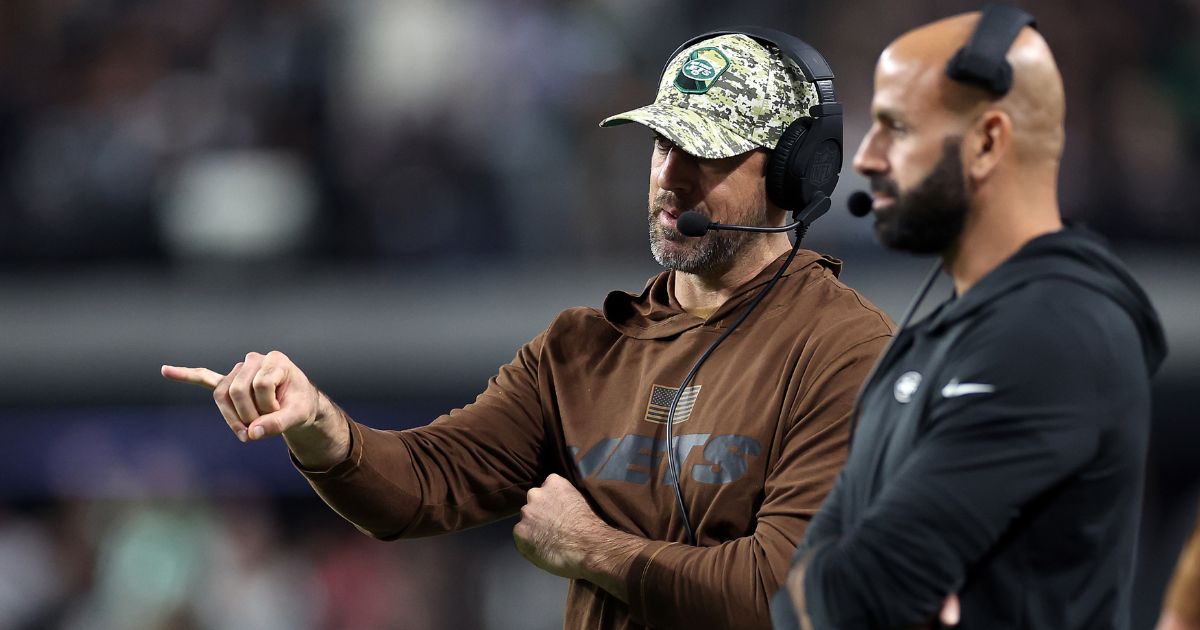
692 223
859 203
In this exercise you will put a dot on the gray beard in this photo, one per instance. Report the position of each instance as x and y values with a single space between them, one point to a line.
714 252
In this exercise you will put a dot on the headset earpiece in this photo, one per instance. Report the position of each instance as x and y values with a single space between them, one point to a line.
780 166
982 61
807 159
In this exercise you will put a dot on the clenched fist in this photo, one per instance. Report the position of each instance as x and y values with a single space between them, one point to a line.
559 533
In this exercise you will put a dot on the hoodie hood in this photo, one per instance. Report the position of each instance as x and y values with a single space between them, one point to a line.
1072 254
656 314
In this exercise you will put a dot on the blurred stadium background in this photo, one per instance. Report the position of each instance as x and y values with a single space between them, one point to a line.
398 194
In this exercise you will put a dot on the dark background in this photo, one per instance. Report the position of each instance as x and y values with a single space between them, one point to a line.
398 194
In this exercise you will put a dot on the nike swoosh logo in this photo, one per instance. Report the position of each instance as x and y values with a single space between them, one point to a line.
954 389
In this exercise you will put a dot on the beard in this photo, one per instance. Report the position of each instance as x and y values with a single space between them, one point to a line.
715 252
929 218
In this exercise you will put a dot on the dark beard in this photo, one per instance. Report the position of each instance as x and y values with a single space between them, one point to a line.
714 252
929 218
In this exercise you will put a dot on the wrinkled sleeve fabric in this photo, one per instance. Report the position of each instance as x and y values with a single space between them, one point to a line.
730 585
469 467
826 525
980 459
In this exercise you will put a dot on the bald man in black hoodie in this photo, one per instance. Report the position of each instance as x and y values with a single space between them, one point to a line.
1000 446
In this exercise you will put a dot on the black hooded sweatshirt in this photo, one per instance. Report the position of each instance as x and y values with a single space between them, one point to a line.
999 455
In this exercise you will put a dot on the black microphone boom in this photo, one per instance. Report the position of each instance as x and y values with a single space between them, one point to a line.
859 203
692 223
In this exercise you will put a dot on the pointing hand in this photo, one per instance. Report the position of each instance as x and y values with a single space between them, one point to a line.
263 395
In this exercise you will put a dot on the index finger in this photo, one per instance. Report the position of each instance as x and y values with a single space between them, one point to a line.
194 375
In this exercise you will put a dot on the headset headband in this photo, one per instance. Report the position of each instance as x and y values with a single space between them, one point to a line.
981 62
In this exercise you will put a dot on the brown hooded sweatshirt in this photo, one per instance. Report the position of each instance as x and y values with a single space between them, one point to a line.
759 440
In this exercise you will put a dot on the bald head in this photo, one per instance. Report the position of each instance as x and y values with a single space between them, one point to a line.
954 169
1035 104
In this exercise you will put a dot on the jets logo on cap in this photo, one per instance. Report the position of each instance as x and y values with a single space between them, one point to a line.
701 70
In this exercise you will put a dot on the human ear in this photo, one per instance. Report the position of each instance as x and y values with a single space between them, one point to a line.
988 142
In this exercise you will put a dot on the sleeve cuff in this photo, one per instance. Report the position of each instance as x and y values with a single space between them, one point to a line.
341 469
636 578
380 502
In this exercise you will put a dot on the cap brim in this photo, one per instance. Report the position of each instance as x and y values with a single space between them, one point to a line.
689 130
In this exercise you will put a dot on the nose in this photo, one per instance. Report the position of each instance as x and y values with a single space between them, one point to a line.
677 171
871 157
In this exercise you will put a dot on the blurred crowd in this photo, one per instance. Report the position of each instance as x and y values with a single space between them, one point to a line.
189 563
157 519
144 130
142 133
427 130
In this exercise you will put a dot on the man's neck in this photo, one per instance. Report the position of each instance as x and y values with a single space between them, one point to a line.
702 294
993 235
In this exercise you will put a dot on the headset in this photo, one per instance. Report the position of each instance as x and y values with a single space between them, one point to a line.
981 62
808 157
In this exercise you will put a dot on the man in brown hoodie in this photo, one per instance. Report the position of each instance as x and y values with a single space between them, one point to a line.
571 433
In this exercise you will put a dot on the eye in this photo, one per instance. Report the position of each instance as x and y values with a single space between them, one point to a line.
895 126
662 144
890 123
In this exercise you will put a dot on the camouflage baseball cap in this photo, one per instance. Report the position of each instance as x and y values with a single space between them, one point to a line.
724 96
